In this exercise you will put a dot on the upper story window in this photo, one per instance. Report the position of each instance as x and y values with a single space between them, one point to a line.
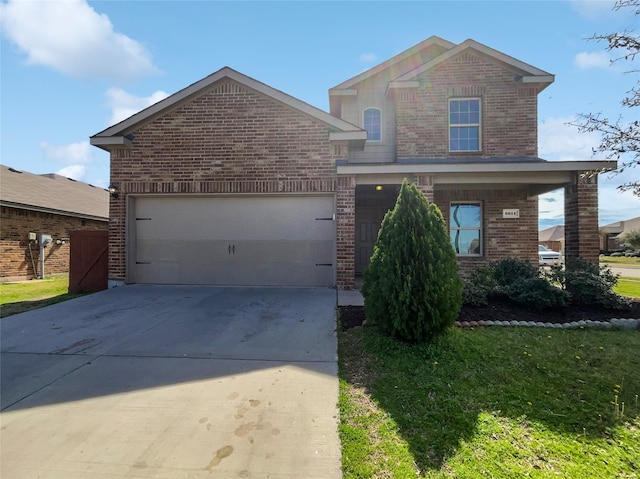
372 122
465 227
464 124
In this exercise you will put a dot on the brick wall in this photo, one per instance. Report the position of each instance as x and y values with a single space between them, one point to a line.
345 231
502 237
509 119
229 139
581 219
16 262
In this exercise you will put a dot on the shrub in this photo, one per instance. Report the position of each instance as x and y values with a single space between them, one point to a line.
509 270
589 283
411 288
516 280
537 293
476 289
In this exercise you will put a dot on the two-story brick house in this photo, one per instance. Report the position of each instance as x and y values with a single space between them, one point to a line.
230 181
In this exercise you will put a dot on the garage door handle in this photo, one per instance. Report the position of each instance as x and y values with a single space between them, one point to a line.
229 249
233 249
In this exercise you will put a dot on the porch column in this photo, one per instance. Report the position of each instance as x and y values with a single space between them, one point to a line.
425 184
345 231
581 219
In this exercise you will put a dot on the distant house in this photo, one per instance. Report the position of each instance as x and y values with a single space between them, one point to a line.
552 238
34 205
611 235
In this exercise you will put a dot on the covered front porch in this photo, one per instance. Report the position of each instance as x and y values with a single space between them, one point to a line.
501 195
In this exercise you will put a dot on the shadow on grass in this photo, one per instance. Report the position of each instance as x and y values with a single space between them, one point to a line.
562 380
10 309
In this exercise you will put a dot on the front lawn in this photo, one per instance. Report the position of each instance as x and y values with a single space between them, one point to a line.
20 297
629 287
491 402
622 261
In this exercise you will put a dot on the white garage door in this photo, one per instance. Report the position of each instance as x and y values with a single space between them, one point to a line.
252 240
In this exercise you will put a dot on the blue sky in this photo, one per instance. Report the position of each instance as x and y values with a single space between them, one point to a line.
71 68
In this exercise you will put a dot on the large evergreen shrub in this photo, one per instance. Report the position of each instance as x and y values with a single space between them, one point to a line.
411 288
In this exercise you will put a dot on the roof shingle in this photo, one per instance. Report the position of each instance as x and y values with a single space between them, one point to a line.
52 193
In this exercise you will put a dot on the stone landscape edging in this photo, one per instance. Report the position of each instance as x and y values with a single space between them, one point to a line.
614 323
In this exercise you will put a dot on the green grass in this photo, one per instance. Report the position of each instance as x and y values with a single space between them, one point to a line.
628 287
491 402
20 297
620 261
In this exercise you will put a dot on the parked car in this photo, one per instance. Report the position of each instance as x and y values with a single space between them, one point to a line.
547 256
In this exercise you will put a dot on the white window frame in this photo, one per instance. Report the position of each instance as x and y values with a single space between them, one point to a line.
465 125
468 228
379 110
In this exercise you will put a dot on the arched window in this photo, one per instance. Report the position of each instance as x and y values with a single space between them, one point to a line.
372 122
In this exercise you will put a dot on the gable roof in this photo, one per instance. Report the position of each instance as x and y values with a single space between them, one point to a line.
118 133
530 74
526 73
554 233
52 193
429 42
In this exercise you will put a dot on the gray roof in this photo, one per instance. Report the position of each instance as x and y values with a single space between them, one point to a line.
622 227
52 193
555 233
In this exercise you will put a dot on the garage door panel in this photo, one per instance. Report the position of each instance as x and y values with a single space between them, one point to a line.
236 218
235 241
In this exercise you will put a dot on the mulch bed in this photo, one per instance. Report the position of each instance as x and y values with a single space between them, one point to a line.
352 316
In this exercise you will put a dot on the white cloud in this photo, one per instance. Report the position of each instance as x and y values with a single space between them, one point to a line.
79 152
76 172
613 204
368 57
586 60
551 207
559 141
124 104
72 38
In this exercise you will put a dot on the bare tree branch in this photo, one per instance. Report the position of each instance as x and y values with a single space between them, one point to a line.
619 140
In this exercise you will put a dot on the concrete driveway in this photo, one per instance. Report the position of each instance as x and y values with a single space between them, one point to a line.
172 382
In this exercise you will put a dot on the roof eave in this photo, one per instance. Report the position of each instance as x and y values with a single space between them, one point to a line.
108 142
470 168
42 209
356 139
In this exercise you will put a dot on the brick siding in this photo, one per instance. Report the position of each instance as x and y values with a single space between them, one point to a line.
509 118
345 231
228 139
581 219
16 261
502 237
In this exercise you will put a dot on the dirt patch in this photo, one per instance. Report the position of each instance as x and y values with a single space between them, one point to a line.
352 316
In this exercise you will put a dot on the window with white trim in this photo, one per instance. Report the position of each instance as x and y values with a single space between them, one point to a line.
464 124
372 122
465 226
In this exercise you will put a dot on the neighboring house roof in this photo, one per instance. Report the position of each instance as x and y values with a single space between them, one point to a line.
555 233
620 228
52 193
526 73
119 134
